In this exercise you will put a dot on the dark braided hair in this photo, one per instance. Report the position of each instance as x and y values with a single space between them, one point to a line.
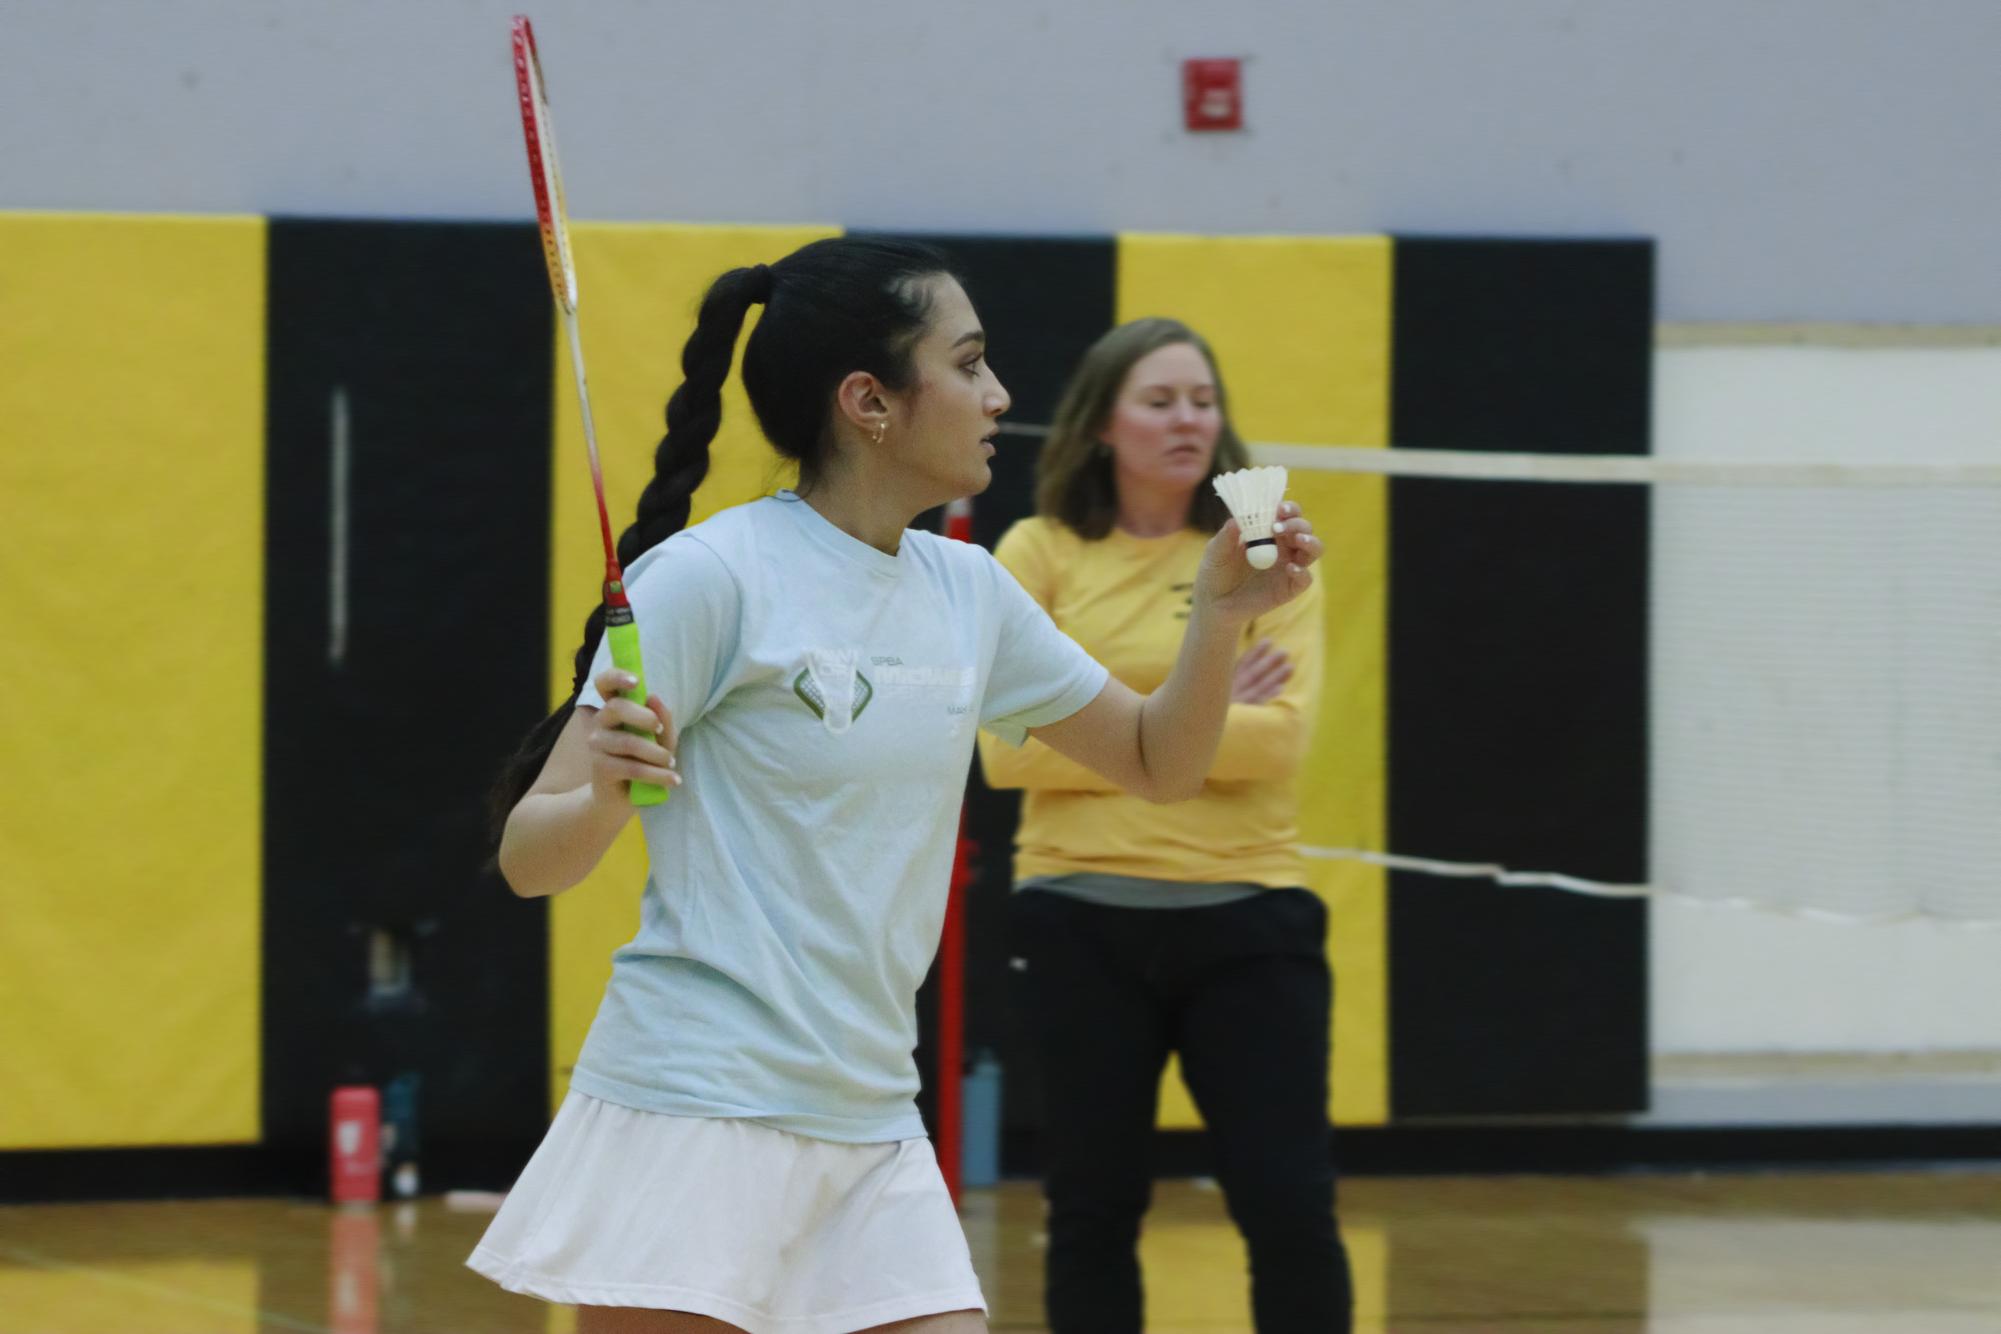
833 307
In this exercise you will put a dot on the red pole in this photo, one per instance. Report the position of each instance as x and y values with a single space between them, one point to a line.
952 961
952 1019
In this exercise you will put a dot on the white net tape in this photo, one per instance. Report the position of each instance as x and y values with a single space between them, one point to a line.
1477 465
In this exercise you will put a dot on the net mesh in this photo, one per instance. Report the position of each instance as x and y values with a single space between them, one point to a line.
1824 680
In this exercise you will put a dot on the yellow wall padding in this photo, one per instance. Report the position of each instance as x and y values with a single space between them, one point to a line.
639 288
1301 328
131 587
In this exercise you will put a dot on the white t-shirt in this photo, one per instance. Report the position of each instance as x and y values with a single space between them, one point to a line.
827 697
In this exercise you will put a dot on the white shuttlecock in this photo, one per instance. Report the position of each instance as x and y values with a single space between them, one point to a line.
1253 495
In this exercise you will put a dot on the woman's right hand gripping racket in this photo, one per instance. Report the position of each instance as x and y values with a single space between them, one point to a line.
631 744
540 134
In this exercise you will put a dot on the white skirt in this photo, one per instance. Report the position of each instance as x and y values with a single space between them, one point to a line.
770 1231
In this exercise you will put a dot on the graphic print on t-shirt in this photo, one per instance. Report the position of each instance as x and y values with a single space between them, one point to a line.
828 675
833 687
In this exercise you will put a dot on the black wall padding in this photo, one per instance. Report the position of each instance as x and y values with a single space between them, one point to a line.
1518 679
381 739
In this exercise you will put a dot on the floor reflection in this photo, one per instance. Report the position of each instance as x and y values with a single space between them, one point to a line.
1780 1254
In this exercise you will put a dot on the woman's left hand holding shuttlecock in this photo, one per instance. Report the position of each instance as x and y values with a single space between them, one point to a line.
1233 590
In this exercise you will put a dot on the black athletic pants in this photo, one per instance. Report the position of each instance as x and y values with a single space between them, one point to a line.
1242 992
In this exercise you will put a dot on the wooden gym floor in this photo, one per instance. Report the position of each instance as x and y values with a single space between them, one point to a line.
1851 1253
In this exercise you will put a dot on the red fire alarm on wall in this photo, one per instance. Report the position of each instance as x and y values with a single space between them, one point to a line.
1212 93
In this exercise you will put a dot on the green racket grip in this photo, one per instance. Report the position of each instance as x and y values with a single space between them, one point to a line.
625 657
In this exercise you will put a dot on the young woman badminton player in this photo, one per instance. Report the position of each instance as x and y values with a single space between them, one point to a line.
740 1147
1147 930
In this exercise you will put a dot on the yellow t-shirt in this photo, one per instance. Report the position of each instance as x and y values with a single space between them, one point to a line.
1126 600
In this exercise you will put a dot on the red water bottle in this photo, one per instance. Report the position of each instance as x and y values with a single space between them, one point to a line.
354 1145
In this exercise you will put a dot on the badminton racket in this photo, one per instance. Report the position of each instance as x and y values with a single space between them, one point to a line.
539 132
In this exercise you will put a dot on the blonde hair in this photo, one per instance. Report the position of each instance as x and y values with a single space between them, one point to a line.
1075 480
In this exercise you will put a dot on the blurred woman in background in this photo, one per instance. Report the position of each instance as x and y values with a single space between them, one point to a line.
1142 929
